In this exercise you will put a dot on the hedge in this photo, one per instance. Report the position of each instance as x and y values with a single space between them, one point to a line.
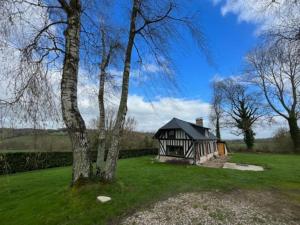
27 161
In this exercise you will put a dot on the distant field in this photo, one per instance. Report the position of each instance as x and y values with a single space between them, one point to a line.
41 142
262 145
58 141
23 140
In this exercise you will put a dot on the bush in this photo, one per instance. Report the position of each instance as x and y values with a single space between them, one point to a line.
21 162
282 140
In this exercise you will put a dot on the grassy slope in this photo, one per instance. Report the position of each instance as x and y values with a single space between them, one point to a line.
43 197
59 141
25 143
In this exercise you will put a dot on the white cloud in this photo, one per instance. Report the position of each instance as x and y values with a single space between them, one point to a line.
151 115
264 13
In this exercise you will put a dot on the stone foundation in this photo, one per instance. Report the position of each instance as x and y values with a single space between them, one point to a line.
162 158
203 159
207 157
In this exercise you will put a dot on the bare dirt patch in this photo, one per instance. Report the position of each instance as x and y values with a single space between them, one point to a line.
210 208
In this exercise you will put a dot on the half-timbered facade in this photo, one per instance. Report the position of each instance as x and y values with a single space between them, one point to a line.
182 140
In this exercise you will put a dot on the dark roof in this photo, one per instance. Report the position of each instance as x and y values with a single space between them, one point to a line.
196 132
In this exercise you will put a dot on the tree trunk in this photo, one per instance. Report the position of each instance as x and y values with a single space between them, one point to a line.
218 133
100 163
294 132
101 145
249 138
82 167
113 153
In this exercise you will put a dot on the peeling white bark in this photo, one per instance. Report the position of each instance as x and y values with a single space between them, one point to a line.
71 115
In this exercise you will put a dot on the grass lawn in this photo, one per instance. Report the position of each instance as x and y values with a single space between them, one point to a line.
44 197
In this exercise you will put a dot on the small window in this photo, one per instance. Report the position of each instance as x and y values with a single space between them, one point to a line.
175 150
171 134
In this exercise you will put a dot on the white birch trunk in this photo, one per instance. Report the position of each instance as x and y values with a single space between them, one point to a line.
113 153
74 122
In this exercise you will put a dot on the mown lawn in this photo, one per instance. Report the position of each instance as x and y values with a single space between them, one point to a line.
44 197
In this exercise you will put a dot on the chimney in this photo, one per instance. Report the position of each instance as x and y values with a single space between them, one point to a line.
199 121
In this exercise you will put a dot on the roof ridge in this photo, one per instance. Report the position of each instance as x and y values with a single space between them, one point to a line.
192 129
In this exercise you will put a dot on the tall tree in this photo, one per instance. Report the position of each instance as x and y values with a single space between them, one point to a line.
217 111
276 70
243 109
154 22
82 167
55 34
286 28
110 45
110 167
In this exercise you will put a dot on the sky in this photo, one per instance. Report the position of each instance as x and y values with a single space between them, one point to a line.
230 34
228 40
230 28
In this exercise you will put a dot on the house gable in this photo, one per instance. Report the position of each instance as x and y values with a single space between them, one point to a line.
175 141
172 134
181 139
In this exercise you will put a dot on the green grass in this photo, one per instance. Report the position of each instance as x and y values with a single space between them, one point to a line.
44 197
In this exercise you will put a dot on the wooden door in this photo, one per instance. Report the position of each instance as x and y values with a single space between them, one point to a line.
221 149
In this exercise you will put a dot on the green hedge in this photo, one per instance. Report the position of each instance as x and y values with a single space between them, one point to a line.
21 162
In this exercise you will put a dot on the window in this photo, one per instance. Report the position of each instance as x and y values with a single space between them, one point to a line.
175 150
171 134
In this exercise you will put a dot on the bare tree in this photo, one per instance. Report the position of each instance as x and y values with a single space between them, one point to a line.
154 22
110 45
82 167
27 93
276 70
288 26
217 111
242 108
154 27
48 42
279 20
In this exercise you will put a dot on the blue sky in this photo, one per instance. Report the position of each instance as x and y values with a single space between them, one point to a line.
230 31
228 40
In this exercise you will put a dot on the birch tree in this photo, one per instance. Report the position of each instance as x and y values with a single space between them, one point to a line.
26 95
110 46
217 112
82 167
153 22
56 41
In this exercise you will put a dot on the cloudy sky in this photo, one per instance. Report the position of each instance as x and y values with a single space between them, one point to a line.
231 28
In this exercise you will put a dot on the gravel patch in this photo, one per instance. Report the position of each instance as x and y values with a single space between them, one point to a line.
236 166
217 208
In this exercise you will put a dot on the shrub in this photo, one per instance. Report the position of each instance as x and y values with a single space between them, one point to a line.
282 140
